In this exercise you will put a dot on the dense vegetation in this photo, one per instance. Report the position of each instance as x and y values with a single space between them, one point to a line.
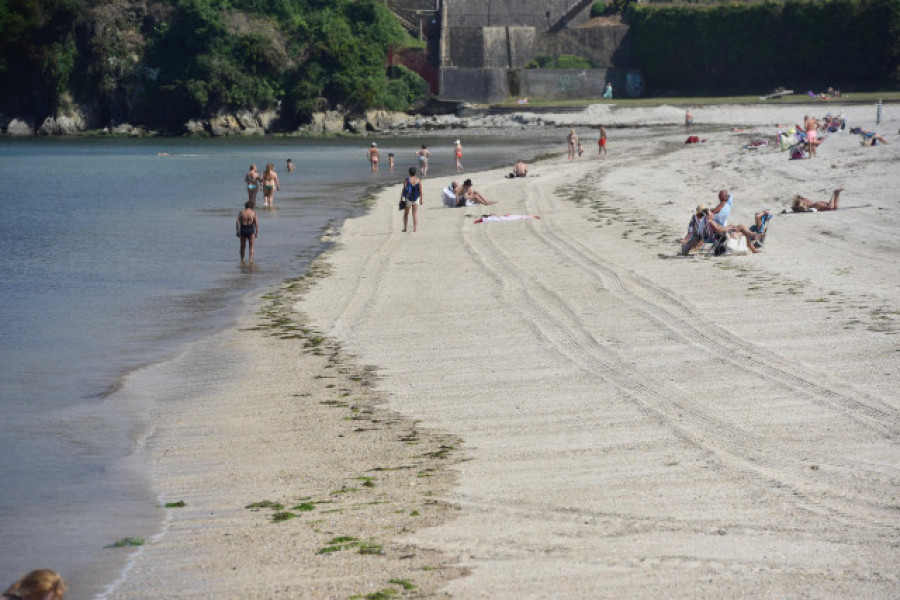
759 46
162 62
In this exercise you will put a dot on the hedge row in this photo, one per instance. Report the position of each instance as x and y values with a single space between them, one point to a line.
847 44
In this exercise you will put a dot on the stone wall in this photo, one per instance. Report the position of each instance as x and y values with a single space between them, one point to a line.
488 86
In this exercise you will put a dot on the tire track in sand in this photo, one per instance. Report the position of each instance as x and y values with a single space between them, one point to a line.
731 446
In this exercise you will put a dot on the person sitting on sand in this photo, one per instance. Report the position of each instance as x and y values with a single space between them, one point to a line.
449 194
41 584
465 194
801 204
520 169
869 138
722 210
693 229
732 231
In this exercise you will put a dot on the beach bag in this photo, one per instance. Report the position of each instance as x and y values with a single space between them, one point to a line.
404 194
692 140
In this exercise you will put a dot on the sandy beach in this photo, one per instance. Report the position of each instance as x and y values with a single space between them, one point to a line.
560 407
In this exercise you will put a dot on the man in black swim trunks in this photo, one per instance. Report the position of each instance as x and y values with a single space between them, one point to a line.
247 228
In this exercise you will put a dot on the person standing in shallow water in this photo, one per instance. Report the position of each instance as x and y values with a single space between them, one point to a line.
252 179
247 228
270 184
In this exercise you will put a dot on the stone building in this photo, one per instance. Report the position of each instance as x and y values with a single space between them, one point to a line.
479 49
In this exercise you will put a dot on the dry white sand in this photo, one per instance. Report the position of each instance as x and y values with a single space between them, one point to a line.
621 422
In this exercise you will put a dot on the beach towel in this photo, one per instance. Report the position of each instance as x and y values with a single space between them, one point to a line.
495 218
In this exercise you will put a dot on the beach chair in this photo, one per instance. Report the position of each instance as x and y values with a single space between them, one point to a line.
763 228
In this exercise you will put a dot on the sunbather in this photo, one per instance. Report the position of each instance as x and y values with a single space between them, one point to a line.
869 138
801 204
466 192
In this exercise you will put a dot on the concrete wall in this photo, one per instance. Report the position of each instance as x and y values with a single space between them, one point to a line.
488 86
474 85
603 46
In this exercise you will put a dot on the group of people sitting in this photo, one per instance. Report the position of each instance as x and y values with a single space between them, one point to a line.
710 225
456 195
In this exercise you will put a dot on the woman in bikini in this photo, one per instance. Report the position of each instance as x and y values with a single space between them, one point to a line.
270 184
801 204
252 181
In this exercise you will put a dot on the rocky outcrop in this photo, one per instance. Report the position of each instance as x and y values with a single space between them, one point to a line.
19 128
331 121
63 125
195 127
243 122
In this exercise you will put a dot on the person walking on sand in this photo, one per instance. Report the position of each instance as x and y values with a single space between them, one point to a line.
457 152
372 155
247 228
572 140
801 204
601 143
270 184
422 156
252 179
412 194
688 119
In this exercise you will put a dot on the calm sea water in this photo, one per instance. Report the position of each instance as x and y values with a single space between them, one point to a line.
117 258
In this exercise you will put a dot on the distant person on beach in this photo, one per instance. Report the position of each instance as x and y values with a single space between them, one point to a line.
607 93
252 179
457 153
811 126
722 211
466 194
520 169
42 584
688 119
422 155
601 143
270 184
801 204
372 156
391 161
580 149
412 194
290 166
247 228
572 140
869 138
